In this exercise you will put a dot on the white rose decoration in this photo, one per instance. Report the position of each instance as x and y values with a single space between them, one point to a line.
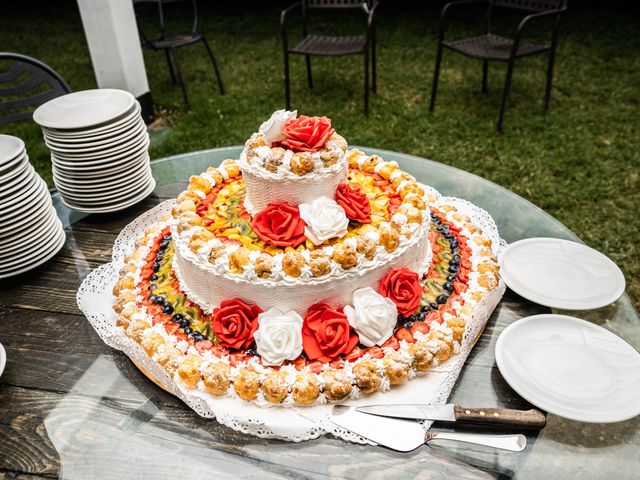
325 219
272 128
279 336
372 316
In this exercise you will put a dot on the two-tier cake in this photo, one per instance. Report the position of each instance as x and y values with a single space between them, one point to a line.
303 272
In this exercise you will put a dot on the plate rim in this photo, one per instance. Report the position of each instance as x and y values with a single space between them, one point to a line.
502 368
48 256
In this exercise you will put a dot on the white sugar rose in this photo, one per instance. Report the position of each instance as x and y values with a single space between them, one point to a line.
372 316
325 219
279 336
272 128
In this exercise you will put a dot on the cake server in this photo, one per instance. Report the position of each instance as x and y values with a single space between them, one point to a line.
530 419
407 435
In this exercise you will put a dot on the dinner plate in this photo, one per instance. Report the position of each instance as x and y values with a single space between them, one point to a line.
117 138
571 368
30 236
27 205
16 200
102 182
106 196
84 109
561 274
116 206
34 252
95 132
22 180
16 169
130 148
10 148
36 261
7 169
103 161
98 171
3 359
16 223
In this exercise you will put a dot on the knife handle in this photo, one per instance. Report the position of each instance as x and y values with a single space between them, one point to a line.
533 419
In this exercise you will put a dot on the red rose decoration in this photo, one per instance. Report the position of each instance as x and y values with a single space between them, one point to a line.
354 202
234 323
403 287
326 333
279 224
307 134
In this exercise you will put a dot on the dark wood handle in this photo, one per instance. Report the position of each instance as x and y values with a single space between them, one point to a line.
534 419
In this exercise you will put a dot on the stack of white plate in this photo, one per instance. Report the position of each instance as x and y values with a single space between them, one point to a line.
30 231
98 144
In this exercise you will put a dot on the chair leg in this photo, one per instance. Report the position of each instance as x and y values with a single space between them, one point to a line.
212 57
287 93
307 60
366 82
485 74
505 95
173 77
547 91
436 75
180 79
373 65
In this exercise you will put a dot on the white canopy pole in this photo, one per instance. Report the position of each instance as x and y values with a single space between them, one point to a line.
114 46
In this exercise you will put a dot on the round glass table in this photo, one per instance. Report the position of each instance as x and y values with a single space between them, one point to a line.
72 407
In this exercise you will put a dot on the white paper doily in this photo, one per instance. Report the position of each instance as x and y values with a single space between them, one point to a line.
294 424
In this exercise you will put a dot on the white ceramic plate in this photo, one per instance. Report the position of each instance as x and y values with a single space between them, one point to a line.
107 171
131 148
36 251
16 169
18 223
92 184
17 198
116 206
25 206
88 134
571 368
99 197
3 359
561 274
119 137
84 109
21 181
36 261
31 236
10 148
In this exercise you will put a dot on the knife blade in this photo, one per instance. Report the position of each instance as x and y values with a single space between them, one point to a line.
407 435
532 419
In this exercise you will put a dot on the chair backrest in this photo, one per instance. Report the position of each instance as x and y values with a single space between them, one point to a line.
162 17
27 83
531 5
335 4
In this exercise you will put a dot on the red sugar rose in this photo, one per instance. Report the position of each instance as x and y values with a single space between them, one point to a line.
307 134
354 202
326 333
403 287
279 224
234 323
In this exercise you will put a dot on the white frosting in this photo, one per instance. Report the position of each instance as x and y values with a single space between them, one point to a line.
208 285
264 187
272 128
324 220
279 336
372 316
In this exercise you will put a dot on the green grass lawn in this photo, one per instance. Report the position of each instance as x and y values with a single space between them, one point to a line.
580 163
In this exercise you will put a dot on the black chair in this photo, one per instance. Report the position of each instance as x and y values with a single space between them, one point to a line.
332 46
170 42
27 83
490 47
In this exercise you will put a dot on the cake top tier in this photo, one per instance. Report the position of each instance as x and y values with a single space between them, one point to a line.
288 146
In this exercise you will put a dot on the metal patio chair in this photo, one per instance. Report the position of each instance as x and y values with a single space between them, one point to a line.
332 46
490 47
27 83
170 42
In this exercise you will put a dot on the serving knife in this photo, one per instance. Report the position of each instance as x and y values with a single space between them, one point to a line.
407 435
528 419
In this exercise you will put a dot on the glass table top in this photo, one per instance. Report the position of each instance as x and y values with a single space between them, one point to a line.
91 414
